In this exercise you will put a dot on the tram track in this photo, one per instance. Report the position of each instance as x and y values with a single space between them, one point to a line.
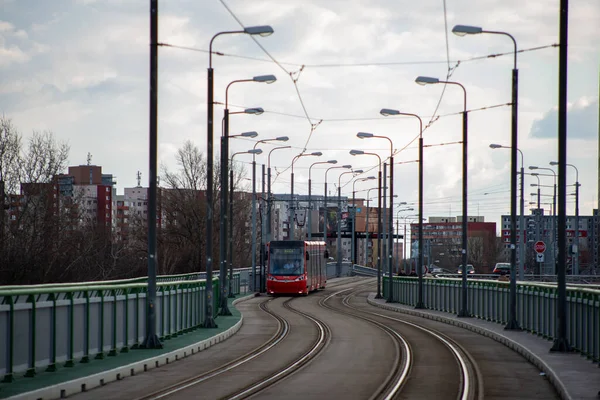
471 379
282 331
324 336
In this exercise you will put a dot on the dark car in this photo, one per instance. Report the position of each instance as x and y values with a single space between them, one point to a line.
470 269
501 269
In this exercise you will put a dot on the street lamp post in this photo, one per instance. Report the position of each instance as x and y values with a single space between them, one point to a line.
353 245
576 241
269 197
522 230
254 152
227 191
347 166
390 112
209 321
533 167
390 223
224 309
513 324
424 80
367 225
151 340
338 266
291 218
379 227
462 30
310 194
280 139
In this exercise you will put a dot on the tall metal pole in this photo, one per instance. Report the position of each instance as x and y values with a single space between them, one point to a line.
309 209
378 295
512 323
262 233
554 233
383 221
338 264
253 286
231 229
367 233
353 244
396 247
224 308
269 205
420 303
576 263
291 221
325 213
464 311
391 231
523 228
561 343
151 341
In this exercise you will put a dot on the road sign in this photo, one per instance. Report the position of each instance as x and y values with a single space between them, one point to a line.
539 247
540 257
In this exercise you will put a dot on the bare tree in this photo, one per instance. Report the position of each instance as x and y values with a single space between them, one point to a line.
10 155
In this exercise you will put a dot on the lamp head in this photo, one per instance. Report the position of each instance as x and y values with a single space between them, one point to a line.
282 138
533 167
316 153
401 203
358 171
535 174
426 80
388 111
254 151
533 185
347 166
364 135
553 162
263 30
265 78
370 178
251 134
356 152
332 162
462 30
254 111
495 146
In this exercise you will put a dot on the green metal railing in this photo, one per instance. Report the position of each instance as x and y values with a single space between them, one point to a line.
43 325
536 306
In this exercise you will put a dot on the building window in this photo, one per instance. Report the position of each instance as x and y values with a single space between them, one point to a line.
108 189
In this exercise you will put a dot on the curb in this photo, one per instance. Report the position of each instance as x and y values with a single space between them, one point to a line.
527 354
68 388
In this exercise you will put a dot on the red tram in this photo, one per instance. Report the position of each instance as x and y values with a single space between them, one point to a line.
296 266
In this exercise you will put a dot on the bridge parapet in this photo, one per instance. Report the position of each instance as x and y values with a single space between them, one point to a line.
44 325
536 306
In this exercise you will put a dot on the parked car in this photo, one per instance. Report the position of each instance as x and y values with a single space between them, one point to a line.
501 268
470 269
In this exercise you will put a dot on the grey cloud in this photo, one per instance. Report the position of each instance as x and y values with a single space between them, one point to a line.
582 123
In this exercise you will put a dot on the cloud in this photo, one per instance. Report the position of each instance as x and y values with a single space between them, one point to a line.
582 121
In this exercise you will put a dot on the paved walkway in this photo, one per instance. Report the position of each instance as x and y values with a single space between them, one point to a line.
573 376
66 381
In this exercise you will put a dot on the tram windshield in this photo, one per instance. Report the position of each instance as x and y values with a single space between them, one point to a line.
286 261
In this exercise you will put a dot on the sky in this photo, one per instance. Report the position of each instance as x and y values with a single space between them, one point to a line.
80 68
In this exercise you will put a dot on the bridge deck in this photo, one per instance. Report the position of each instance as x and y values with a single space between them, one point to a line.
574 376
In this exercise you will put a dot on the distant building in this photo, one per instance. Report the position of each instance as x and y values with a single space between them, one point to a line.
443 242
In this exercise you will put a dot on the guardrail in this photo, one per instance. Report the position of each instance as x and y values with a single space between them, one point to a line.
363 271
44 325
536 306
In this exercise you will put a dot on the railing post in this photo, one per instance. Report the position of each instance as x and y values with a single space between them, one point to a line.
8 377
69 363
100 355
86 346
136 325
125 348
52 366
30 373
113 350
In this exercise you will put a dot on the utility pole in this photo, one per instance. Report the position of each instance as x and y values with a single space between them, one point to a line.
151 341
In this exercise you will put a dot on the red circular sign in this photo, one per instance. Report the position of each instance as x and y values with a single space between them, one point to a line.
539 247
